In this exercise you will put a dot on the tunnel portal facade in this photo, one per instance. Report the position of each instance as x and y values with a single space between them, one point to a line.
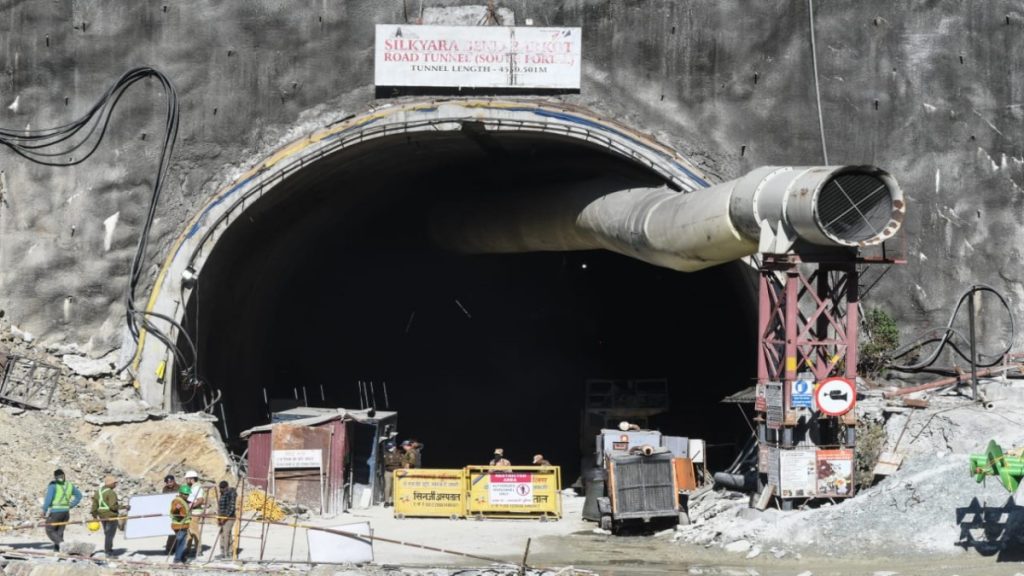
353 200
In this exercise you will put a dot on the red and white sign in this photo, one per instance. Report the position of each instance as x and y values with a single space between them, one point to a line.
510 488
477 57
835 396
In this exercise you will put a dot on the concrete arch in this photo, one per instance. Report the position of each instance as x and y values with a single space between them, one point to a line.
195 243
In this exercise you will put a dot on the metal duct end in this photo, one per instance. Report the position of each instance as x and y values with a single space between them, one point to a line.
824 205
859 206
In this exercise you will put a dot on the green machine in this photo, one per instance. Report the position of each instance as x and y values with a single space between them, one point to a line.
1009 468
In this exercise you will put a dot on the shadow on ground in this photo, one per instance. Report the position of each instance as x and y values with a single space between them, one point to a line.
993 530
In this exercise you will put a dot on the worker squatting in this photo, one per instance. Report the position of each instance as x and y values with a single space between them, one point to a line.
108 512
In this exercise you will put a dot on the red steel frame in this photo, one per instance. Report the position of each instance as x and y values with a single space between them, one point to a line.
806 322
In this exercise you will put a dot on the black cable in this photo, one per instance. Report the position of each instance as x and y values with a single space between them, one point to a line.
944 338
46 146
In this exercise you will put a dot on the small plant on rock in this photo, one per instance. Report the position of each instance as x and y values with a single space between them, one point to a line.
882 337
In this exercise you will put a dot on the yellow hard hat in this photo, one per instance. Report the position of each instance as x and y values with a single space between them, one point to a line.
93 525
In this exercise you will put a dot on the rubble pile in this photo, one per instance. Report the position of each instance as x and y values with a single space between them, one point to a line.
930 505
94 427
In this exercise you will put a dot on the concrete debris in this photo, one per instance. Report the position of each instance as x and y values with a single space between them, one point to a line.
121 412
91 367
54 569
754 553
77 548
738 547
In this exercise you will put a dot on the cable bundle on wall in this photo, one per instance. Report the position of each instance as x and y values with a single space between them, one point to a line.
57 146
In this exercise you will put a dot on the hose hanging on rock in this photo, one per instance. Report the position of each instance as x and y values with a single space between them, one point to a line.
55 147
944 337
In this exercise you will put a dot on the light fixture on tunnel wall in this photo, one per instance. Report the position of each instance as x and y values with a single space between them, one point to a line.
189 277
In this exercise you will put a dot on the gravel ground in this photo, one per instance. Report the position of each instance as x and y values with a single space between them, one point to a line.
931 506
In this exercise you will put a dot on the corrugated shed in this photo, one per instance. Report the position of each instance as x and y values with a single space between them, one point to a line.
258 458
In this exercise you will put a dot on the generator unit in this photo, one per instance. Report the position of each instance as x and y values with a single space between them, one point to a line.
635 481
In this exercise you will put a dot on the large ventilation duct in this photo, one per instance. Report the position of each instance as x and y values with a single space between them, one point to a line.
846 206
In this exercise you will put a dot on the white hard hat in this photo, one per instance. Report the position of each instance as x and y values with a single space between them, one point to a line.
191 474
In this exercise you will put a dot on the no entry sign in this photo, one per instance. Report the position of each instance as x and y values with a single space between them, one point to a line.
835 396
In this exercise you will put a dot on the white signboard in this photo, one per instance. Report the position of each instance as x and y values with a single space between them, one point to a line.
328 548
158 506
511 488
297 458
797 474
477 57
776 413
835 396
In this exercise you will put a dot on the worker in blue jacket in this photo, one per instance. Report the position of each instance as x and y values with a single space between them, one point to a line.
61 497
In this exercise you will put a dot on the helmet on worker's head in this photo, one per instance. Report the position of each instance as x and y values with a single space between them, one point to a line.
191 474
110 481
499 452
537 458
389 445
184 489
93 525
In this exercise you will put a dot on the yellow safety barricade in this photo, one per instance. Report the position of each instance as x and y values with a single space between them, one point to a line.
424 492
514 492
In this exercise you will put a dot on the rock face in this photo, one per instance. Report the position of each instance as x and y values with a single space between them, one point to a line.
928 91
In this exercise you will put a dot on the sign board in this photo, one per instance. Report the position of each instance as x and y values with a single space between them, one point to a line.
695 450
424 492
835 396
835 472
159 507
521 490
802 392
510 488
759 402
774 405
329 548
297 459
796 474
774 470
477 57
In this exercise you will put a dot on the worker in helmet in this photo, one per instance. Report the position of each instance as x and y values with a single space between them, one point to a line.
106 509
499 460
61 497
410 455
540 460
181 520
197 503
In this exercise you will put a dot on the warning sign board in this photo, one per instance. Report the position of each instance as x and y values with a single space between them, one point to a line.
835 396
517 491
510 488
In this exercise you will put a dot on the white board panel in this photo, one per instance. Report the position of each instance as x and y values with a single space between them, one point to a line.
149 527
477 57
328 548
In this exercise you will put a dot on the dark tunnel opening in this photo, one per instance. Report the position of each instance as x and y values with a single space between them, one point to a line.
332 280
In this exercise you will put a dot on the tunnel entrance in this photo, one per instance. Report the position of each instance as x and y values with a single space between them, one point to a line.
333 279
